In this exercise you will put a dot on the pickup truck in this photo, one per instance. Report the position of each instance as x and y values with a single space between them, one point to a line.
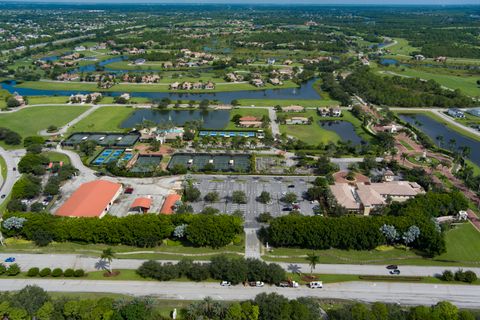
256 284
288 284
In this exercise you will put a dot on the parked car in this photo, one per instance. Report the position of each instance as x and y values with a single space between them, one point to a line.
129 190
291 186
14 169
287 209
10 260
392 267
288 284
3 196
395 272
256 284
225 284
316 284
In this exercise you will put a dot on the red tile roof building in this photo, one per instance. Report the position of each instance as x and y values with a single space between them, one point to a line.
170 201
142 204
91 199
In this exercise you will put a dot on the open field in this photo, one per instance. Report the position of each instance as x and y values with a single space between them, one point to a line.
133 87
29 121
57 157
463 249
104 119
402 47
466 83
314 133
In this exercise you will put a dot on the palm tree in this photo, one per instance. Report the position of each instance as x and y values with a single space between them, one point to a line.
313 259
404 156
108 255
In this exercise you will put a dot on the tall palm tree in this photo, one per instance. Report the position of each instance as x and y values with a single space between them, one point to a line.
108 255
313 259
404 156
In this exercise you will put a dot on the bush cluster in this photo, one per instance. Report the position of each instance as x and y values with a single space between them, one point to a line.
57 272
460 275
11 270
220 267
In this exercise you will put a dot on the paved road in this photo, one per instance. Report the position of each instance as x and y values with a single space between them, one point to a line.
76 161
252 243
88 263
403 293
273 121
12 157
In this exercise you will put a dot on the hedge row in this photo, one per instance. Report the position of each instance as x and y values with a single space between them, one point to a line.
57 272
460 275
220 268
134 230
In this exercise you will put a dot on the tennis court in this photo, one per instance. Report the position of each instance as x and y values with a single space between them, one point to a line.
221 162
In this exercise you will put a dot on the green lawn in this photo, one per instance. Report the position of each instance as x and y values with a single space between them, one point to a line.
402 47
314 133
3 168
406 145
132 87
29 121
463 249
103 119
258 112
57 157
466 83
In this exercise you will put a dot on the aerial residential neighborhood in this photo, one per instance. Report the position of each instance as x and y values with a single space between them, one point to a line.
240 161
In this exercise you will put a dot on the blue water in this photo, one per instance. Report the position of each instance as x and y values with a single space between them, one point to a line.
388 62
306 91
217 119
434 129
344 129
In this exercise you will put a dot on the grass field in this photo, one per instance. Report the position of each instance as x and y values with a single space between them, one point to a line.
314 133
402 47
29 121
258 112
132 87
57 157
465 83
3 168
103 119
463 249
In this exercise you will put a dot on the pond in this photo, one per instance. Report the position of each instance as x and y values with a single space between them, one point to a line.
389 62
344 129
305 91
217 119
434 129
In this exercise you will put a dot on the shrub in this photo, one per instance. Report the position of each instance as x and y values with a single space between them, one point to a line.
3 269
33 272
470 276
45 272
460 275
13 270
69 273
57 272
447 275
79 273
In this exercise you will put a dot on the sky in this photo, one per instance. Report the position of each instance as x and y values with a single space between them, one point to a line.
291 2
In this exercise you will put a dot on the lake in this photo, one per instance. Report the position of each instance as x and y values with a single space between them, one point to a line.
305 91
433 129
217 119
344 129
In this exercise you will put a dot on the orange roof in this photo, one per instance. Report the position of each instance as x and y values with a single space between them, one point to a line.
142 203
248 118
167 207
90 199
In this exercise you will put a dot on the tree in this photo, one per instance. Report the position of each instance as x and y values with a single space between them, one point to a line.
290 198
191 193
313 259
88 147
30 298
42 237
390 233
411 235
12 102
264 197
212 196
239 197
13 270
108 255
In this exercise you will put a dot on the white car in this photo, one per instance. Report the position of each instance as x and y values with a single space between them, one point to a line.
257 284
225 284
316 284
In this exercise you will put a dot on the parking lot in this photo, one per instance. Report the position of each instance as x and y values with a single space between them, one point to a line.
253 187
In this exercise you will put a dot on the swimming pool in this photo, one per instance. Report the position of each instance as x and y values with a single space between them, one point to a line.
228 134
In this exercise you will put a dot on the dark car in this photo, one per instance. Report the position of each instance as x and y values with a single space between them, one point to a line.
3 196
392 267
287 209
291 186
396 271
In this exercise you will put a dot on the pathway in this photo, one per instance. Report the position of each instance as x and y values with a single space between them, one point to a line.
64 129
464 296
273 121
12 157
